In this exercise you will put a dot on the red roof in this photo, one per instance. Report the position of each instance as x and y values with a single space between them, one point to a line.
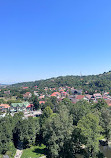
61 90
105 97
80 97
88 96
41 102
55 94
41 97
6 106
97 95
29 106
108 102
64 92
26 94
25 87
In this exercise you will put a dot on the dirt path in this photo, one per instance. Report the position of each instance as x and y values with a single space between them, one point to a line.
18 153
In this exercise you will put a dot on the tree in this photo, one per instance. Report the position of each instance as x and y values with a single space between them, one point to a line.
57 133
106 123
76 141
47 112
2 101
80 109
49 103
36 103
101 104
21 133
5 134
90 129
25 132
68 104
53 100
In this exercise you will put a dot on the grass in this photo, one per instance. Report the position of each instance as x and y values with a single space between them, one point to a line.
11 154
34 152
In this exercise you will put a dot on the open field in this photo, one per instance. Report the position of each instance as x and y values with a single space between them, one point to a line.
34 152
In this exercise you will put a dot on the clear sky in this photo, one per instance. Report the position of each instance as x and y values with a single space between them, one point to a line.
47 38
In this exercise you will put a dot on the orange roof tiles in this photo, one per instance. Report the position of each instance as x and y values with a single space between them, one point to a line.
6 106
80 97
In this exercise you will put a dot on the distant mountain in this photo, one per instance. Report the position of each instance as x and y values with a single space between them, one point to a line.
2 84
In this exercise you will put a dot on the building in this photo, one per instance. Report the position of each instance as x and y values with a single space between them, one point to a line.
27 95
97 96
7 92
56 94
4 107
36 93
79 97
15 107
87 97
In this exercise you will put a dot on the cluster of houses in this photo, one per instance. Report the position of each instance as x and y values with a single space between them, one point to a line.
74 95
15 107
62 92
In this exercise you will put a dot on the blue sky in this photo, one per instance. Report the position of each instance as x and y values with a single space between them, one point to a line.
47 38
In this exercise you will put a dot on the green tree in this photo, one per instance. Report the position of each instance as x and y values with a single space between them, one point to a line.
53 100
80 109
57 133
90 129
49 103
5 134
101 104
36 103
47 112
106 123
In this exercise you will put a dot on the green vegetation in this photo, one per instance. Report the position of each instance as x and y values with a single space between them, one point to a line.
36 103
90 130
34 152
101 82
65 129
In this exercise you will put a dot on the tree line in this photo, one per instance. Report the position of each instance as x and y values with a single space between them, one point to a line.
66 129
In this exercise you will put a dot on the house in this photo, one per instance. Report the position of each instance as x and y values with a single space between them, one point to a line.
25 87
73 99
108 102
42 96
41 102
79 97
36 93
106 93
4 107
61 90
97 96
87 97
30 107
15 107
27 95
105 97
64 94
56 94
7 92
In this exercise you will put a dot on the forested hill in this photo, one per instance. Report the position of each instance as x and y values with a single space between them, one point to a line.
101 82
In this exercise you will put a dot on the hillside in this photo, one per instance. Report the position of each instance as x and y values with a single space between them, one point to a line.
101 82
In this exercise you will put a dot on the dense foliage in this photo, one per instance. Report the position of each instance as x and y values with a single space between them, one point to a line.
69 130
101 82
